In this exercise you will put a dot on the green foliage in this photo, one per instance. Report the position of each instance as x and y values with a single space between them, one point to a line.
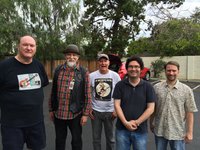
11 26
112 24
177 37
55 24
51 21
196 16
141 46
158 67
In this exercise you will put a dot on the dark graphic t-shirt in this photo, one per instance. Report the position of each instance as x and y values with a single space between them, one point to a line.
103 89
21 93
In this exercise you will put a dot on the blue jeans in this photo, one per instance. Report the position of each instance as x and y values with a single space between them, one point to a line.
125 139
161 144
103 119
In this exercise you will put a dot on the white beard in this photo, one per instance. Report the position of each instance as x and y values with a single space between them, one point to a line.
71 64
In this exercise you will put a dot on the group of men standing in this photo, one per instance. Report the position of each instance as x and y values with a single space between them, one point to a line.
101 95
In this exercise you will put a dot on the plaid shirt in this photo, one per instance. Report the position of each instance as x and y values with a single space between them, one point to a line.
66 75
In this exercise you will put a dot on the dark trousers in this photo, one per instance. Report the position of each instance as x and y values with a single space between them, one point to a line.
61 127
103 120
14 138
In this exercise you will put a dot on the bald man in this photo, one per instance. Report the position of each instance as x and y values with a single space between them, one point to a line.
21 98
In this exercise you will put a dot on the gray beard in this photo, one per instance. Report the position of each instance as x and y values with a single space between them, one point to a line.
71 64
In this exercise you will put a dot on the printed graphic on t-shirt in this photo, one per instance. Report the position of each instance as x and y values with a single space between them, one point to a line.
29 81
103 89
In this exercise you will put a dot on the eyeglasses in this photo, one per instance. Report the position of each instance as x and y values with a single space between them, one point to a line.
133 67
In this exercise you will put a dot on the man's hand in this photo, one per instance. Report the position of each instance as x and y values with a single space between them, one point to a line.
188 137
83 120
114 115
51 116
91 115
131 125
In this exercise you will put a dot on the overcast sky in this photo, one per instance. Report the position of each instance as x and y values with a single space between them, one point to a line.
184 10
188 7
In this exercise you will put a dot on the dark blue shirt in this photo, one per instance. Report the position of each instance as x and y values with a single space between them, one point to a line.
134 101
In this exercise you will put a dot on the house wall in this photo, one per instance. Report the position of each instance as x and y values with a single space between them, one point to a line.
189 65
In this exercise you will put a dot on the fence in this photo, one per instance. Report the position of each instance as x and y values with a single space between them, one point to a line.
50 66
188 65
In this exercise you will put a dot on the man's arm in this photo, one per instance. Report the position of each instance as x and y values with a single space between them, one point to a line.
151 120
189 126
88 95
147 113
88 100
130 125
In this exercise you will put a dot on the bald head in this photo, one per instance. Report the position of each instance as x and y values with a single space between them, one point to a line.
26 49
27 38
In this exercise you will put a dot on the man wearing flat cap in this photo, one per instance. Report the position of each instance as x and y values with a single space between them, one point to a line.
103 82
70 100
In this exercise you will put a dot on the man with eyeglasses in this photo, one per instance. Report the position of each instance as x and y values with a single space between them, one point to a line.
70 100
134 103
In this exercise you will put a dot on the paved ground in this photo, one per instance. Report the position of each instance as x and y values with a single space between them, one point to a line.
87 138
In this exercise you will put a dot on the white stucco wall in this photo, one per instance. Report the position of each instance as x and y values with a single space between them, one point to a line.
189 66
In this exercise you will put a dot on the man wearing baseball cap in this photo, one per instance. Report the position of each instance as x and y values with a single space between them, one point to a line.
103 56
70 100
103 82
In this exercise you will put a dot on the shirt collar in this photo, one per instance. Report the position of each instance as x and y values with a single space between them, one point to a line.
175 86
127 82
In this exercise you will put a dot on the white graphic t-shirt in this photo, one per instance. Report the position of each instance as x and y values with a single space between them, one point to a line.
102 89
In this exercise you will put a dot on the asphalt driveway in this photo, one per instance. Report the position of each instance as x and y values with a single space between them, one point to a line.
87 135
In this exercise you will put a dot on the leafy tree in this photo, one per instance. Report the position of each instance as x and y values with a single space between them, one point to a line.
176 37
112 24
141 46
11 26
196 16
51 21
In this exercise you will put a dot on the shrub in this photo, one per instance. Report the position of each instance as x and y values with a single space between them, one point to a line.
158 67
